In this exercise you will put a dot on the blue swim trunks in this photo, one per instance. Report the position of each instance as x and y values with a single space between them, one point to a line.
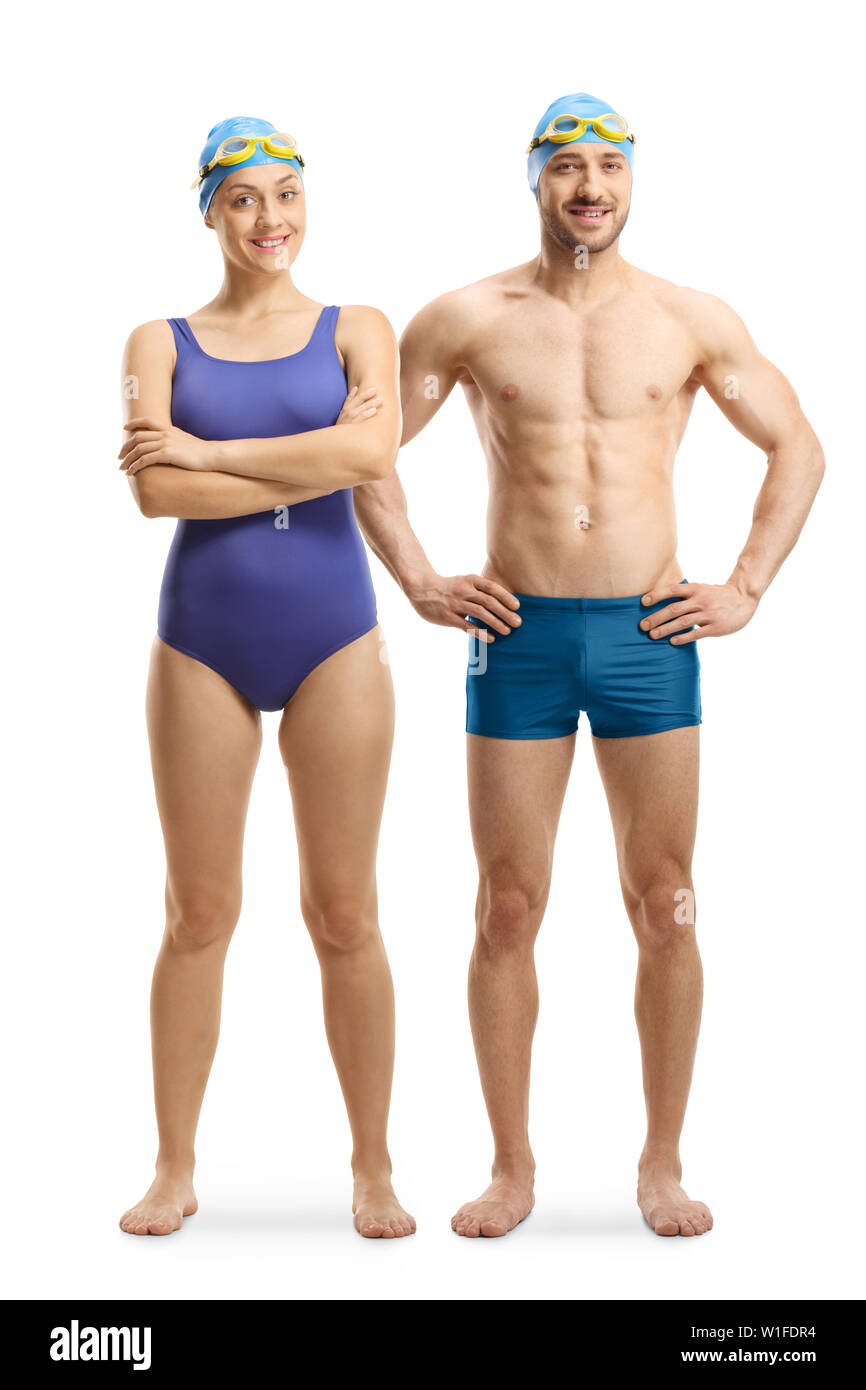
573 654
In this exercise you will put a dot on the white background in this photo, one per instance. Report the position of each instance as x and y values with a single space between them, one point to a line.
413 120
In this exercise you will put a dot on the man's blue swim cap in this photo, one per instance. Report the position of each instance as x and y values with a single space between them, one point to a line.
235 125
578 104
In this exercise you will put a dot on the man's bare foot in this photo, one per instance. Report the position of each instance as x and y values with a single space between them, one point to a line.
505 1203
666 1207
161 1210
378 1214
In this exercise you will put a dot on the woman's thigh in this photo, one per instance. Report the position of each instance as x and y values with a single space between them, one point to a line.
335 739
205 740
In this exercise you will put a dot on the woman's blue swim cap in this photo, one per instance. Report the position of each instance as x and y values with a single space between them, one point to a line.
235 125
578 104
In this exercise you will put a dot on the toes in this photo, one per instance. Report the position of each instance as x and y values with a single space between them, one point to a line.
686 1227
494 1228
369 1227
386 1227
665 1226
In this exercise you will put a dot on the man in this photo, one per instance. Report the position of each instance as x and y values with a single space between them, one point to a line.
580 371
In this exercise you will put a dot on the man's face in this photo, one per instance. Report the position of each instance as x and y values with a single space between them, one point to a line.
584 194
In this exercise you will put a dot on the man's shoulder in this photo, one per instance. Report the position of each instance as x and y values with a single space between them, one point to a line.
469 303
713 326
696 309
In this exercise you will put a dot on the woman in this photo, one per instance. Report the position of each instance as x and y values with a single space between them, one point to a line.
266 603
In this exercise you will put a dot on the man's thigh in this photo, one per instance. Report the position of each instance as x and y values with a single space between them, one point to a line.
516 790
651 784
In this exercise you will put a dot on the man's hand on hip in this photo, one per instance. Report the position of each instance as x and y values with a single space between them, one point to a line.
717 609
455 601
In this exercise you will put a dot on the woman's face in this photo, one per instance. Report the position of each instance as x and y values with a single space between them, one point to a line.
259 216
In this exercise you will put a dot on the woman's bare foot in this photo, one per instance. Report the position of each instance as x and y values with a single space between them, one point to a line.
666 1207
161 1210
378 1214
505 1203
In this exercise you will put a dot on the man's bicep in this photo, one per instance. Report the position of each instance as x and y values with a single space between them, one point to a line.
750 391
428 367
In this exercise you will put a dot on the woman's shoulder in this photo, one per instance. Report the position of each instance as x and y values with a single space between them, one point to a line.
151 342
363 318
153 334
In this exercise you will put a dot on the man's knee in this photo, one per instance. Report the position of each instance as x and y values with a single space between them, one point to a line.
198 917
342 922
662 909
509 913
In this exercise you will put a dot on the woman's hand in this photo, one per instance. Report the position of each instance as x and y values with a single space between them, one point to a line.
151 441
358 407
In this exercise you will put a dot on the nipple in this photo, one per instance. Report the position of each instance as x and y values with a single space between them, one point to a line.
508 393
654 392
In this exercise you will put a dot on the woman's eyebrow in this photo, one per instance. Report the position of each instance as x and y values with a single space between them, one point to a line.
287 178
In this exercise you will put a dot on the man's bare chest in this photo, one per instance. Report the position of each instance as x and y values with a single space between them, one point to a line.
605 366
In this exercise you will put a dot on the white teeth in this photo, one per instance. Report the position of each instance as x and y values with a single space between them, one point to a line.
276 242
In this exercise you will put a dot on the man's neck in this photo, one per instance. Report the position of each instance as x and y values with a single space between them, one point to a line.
578 276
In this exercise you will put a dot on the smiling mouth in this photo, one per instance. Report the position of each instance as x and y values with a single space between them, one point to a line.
269 243
590 214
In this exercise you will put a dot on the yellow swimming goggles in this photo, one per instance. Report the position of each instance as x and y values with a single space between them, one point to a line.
564 129
236 148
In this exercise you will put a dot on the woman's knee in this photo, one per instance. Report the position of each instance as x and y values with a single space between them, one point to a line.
199 917
341 922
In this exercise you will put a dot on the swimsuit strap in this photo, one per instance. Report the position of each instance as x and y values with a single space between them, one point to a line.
327 322
183 337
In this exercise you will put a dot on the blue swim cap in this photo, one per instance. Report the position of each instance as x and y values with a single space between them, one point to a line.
235 125
578 104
